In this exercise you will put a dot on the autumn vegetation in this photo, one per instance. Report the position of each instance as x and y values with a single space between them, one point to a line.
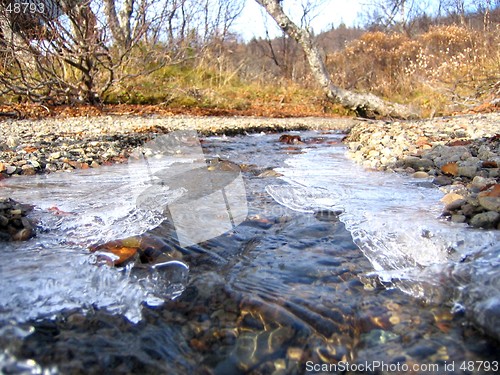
187 58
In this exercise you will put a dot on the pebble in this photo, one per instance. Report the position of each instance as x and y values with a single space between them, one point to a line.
462 153
14 223
55 144
420 174
458 218
449 198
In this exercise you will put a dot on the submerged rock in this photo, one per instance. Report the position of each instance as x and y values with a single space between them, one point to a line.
137 249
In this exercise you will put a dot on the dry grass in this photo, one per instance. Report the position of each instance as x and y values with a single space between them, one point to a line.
447 69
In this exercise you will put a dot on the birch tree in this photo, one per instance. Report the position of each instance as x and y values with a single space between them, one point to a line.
364 105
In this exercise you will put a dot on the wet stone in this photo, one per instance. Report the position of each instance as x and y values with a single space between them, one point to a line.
327 215
458 218
14 224
442 180
486 220
490 203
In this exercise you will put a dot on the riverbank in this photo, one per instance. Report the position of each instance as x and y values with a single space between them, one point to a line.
459 154
28 147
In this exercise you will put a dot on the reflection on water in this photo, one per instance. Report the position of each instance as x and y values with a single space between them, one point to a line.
393 220
287 286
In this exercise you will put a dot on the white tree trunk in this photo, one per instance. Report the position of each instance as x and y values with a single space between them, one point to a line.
365 105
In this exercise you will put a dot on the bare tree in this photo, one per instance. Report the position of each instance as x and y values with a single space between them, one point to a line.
76 50
365 105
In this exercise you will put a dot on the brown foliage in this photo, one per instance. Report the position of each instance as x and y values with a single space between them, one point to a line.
448 68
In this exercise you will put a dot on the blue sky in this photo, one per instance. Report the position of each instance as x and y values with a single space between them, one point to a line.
251 22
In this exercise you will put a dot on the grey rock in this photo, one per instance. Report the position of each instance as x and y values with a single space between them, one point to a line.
11 169
442 180
455 205
458 218
490 203
486 220
480 182
418 163
467 171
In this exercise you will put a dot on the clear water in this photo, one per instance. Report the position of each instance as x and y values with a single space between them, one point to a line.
332 263
393 219
55 271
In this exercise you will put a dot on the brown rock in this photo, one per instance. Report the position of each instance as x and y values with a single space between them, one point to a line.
460 142
489 164
450 169
421 141
23 235
28 170
290 139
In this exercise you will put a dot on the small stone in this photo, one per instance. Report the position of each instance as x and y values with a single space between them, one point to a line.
420 174
480 183
455 205
442 181
290 139
11 169
28 170
51 167
458 218
3 167
12 142
3 221
451 197
35 163
269 173
485 220
467 171
469 209
23 235
490 203
417 163
489 164
55 155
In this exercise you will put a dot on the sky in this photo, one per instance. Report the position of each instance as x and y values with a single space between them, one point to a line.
251 22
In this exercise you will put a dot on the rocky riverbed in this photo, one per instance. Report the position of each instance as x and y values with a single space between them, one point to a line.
459 154
29 147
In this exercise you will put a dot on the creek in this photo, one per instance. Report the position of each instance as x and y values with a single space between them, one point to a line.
328 263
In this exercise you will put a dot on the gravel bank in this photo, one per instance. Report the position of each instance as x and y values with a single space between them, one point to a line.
28 147
459 154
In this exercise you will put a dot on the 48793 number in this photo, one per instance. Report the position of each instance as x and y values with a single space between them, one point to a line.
25 7
479 365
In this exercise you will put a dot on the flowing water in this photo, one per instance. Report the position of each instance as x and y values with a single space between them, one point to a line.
331 264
